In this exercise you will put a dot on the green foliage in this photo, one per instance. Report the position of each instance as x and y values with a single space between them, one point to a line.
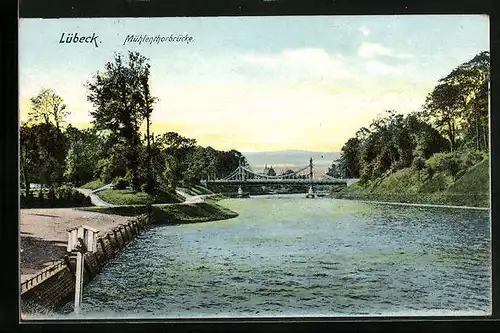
476 181
118 210
131 197
94 184
455 117
191 213
29 157
63 196
113 165
458 105
48 108
349 164
121 97
333 170
423 186
389 144
84 151
418 163
445 162
42 154
146 188
120 183
178 161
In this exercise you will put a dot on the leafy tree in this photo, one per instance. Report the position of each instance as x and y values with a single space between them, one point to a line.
121 97
51 145
473 78
49 108
458 105
29 158
196 164
146 110
349 162
334 170
114 164
84 151
392 142
175 150
46 116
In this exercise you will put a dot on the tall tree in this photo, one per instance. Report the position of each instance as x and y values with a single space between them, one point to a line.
443 109
52 147
473 78
146 111
48 107
118 96
349 162
84 151
458 105
175 151
29 158
46 117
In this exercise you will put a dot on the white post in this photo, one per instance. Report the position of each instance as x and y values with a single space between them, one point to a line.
79 281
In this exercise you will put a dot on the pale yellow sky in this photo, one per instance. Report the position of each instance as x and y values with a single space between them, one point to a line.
260 83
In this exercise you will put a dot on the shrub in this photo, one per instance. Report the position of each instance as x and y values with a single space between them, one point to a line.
470 158
418 163
446 162
63 196
120 183
40 196
22 200
65 193
51 197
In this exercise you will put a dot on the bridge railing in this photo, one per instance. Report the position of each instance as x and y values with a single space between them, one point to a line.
276 181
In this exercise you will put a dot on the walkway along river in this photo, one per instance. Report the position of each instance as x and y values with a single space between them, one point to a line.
288 256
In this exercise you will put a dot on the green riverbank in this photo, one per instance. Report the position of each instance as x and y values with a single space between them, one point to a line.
173 213
419 186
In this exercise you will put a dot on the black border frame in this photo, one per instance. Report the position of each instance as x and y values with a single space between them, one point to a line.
9 317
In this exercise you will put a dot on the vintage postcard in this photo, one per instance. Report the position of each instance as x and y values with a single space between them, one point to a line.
255 167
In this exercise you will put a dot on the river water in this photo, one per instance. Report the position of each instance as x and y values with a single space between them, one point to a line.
291 256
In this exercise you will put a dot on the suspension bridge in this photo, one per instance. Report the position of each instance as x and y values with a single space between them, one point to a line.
242 176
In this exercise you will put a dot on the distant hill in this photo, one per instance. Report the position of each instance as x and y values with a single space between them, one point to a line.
283 159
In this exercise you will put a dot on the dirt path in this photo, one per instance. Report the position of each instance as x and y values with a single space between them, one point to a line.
44 234
94 198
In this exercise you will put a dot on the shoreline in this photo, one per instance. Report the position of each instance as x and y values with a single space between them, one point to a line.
416 204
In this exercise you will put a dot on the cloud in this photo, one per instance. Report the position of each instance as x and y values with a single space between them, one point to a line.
371 50
378 67
364 30
310 61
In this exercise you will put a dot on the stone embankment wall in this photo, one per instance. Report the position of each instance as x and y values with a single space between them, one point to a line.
55 286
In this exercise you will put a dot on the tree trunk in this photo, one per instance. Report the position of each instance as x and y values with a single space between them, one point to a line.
478 146
451 137
26 180
148 147
485 137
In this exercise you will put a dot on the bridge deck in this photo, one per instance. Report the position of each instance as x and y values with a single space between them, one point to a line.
277 181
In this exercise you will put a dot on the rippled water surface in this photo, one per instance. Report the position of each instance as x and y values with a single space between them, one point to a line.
291 256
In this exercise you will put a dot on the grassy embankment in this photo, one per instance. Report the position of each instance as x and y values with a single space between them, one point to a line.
413 186
173 214
131 197
170 214
92 185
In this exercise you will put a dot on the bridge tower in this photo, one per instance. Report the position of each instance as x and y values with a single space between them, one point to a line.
310 193
241 178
